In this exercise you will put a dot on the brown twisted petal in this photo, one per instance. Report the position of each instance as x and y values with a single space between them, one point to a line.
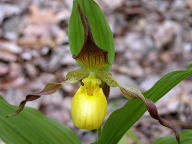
131 92
152 109
72 77
49 89
154 114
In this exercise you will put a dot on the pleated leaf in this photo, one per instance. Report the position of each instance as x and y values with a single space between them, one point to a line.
32 127
99 27
122 119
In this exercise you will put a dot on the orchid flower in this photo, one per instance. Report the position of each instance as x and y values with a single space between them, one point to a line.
89 105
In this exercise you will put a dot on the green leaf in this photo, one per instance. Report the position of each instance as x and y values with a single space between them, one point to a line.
100 29
133 136
186 138
32 127
122 119
129 135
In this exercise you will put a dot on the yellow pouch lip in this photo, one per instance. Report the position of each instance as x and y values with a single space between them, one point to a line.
89 105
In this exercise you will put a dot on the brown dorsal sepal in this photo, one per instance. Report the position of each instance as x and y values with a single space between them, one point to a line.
90 56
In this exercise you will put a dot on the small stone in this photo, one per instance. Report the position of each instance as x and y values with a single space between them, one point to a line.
4 68
11 28
8 56
55 98
31 70
112 4
166 32
134 70
10 47
8 10
189 3
26 56
138 43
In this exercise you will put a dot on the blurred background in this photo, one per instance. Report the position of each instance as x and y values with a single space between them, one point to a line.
152 37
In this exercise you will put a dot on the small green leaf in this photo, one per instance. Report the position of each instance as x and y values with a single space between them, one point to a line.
129 135
122 119
31 127
133 136
189 67
124 140
186 138
100 29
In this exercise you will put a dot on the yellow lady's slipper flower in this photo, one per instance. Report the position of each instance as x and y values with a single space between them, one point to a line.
89 105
